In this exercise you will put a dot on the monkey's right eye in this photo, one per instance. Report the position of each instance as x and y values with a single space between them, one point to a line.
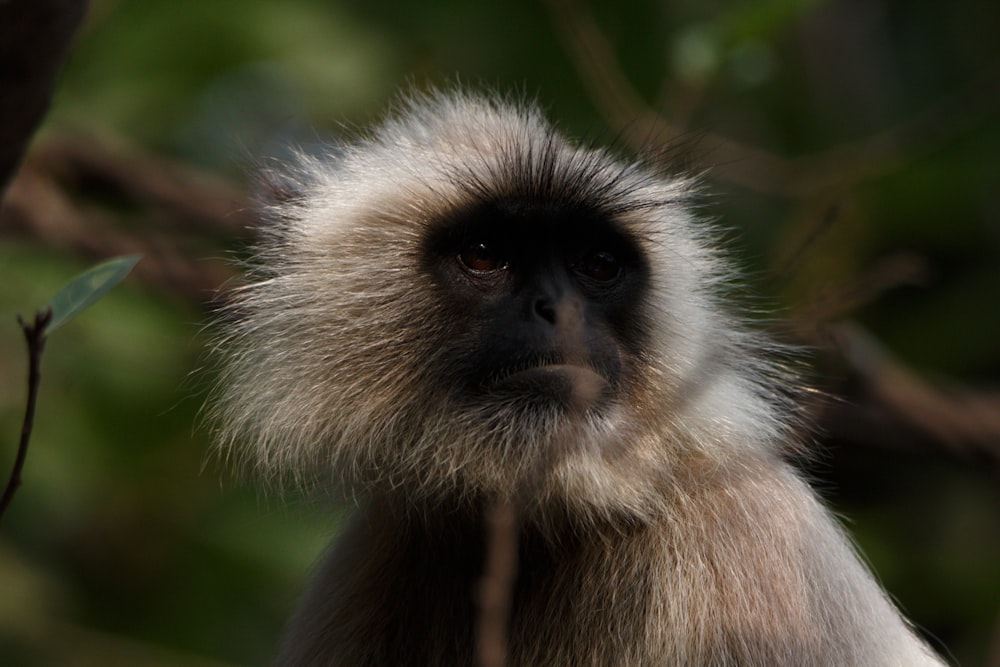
481 258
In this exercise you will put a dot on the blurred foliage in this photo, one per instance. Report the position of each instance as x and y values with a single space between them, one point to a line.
123 547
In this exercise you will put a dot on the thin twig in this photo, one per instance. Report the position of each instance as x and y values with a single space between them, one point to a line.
34 334
817 228
497 584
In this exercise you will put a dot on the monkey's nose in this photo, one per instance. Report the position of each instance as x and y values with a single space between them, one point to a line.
545 308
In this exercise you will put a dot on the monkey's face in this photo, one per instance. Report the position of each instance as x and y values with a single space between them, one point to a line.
544 306
533 361
468 298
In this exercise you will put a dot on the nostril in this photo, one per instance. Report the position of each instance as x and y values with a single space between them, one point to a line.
545 309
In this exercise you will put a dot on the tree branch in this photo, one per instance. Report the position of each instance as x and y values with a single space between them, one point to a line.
34 334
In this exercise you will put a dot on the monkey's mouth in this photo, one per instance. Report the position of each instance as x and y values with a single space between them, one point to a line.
579 386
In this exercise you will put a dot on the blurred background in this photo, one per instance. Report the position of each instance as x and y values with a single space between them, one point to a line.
850 147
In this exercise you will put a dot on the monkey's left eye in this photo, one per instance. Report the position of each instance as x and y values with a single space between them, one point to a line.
600 265
481 258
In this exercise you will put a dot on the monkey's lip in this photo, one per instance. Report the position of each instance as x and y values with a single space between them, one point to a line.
570 379
584 373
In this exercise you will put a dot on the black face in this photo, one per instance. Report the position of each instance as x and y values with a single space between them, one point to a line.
546 300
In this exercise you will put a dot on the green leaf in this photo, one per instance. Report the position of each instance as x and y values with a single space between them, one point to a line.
86 288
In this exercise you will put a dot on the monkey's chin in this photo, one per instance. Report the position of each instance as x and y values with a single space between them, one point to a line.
579 387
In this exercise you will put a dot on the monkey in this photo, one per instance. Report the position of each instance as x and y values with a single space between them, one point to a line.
463 307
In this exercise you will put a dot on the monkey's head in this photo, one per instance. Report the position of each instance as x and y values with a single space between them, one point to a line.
465 302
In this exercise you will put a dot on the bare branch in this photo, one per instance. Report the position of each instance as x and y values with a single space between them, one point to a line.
34 335
191 200
749 166
837 302
965 420
177 218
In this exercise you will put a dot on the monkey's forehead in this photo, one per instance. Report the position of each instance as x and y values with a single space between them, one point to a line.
448 152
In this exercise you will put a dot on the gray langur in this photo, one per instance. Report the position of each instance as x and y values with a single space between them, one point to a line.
466 308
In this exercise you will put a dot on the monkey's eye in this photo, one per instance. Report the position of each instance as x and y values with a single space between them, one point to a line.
600 265
481 258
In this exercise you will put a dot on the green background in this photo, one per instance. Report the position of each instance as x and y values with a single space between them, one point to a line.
130 544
